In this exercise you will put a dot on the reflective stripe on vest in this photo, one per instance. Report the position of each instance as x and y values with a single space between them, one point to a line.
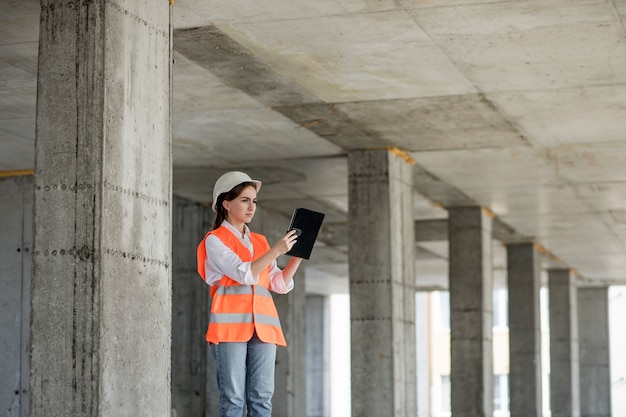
237 311
243 289
236 318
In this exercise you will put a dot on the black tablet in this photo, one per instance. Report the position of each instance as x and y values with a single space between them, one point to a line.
307 223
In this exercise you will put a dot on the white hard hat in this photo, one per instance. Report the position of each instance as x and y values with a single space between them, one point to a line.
228 181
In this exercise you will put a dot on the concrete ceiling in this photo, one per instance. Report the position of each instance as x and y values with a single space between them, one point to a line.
517 106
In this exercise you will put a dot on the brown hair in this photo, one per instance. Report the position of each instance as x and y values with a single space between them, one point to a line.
228 196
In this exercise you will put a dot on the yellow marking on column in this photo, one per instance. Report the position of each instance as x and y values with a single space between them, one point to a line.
402 154
542 250
488 212
17 173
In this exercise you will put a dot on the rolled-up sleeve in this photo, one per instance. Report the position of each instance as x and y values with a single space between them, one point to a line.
277 283
221 260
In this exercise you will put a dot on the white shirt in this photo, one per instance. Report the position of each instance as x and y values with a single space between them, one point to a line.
221 260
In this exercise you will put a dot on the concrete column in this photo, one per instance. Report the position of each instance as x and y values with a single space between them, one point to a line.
564 364
16 209
471 309
317 356
101 284
193 383
524 283
595 369
382 284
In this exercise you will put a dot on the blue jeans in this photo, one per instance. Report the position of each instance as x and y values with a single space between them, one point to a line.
245 374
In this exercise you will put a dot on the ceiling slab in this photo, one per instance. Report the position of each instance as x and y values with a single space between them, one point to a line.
530 45
519 166
198 13
516 106
560 117
436 123
355 57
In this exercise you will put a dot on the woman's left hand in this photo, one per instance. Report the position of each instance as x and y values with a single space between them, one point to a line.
285 243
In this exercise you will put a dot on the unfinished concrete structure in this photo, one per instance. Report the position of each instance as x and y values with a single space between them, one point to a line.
424 130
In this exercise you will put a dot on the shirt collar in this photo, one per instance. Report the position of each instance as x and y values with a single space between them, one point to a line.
246 230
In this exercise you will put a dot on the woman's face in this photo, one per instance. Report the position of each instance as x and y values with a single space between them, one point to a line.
241 209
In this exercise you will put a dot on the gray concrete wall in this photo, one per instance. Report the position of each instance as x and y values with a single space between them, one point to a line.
16 207
317 356
101 283
194 387
525 377
595 366
564 359
471 309
382 284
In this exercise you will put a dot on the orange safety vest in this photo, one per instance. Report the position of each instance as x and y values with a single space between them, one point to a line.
238 310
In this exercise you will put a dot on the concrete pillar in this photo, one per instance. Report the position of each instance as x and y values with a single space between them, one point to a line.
16 209
595 369
194 386
317 356
524 283
471 309
290 385
101 283
382 284
564 364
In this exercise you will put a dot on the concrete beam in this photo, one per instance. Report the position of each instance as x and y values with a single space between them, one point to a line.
215 51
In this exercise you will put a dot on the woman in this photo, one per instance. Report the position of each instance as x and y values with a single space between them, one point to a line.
244 328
